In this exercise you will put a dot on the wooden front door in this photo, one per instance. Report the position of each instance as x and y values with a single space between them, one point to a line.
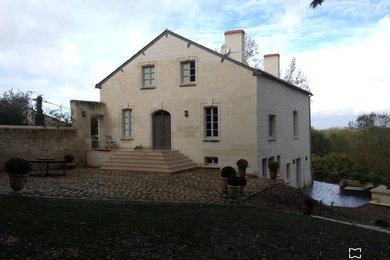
161 124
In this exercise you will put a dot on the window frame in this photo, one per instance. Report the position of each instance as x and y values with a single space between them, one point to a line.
130 122
213 163
295 124
271 127
192 72
212 137
143 69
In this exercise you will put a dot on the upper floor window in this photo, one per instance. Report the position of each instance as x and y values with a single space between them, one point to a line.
295 123
148 76
211 122
188 72
127 123
271 126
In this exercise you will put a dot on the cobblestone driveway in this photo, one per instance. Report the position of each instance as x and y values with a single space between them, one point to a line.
197 186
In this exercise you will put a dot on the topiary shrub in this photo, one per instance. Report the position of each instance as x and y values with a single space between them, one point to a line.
234 181
242 164
17 166
242 181
69 158
227 171
273 166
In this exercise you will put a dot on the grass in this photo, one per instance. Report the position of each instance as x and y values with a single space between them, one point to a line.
87 229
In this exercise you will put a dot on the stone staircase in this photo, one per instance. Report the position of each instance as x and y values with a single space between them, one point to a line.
145 161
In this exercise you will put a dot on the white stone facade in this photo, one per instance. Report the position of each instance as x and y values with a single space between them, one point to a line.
244 98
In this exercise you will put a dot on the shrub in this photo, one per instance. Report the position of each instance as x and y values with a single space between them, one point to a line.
69 157
376 180
242 181
242 164
17 166
309 203
273 166
234 181
381 223
227 172
138 147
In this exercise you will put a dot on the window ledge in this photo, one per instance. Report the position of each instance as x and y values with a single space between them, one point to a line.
127 138
295 137
271 139
210 140
149 87
192 84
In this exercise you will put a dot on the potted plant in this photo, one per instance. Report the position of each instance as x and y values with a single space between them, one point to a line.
273 170
18 170
242 164
242 183
226 172
234 187
308 207
69 163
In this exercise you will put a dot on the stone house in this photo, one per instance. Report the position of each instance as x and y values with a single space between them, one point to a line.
175 94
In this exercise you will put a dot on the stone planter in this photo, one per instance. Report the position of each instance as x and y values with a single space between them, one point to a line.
17 182
224 186
234 191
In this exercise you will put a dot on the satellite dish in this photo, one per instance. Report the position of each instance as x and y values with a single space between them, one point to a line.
225 49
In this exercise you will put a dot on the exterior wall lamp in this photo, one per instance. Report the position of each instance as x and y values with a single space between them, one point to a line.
186 113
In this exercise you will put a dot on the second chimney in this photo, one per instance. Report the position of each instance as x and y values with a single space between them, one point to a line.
271 64
235 41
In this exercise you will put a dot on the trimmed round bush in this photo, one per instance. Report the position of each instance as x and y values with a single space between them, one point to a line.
242 181
17 166
234 181
273 166
227 172
69 158
242 164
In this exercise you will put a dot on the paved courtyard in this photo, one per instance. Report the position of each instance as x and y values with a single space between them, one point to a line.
198 186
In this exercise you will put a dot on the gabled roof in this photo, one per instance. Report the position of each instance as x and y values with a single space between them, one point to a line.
256 72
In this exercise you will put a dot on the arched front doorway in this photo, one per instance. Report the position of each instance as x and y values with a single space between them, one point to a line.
161 130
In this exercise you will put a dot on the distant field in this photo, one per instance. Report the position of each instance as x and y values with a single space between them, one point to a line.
43 228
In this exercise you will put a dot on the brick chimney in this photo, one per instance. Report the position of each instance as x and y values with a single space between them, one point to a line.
235 41
271 64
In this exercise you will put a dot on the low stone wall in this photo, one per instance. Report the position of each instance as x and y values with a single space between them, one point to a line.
31 142
380 195
96 158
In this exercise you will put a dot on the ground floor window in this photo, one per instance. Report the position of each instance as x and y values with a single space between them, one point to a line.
211 122
127 123
211 161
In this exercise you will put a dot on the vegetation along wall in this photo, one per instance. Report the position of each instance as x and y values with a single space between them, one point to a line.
32 142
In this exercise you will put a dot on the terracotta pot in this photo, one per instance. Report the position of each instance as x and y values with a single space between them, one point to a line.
17 182
307 210
69 165
224 185
273 175
234 191
241 172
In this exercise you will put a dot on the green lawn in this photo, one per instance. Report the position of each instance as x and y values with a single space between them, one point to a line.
86 229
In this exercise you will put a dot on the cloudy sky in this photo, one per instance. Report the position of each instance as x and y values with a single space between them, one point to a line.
61 49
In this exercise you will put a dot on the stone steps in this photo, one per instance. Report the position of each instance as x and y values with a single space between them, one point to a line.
149 161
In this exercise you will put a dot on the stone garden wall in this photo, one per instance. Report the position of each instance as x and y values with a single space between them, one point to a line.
32 142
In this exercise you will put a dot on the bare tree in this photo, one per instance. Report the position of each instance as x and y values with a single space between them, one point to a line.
296 76
251 52
316 3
